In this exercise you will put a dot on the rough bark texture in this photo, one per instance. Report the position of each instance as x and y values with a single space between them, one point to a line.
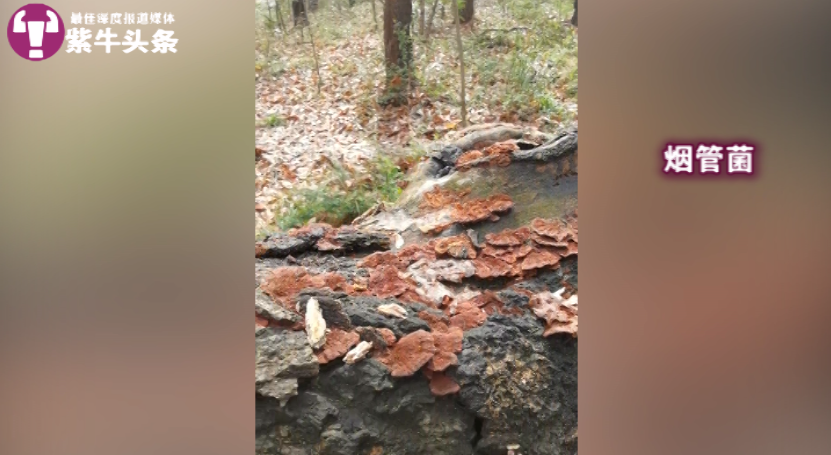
482 139
320 237
361 409
561 145
466 13
398 47
535 405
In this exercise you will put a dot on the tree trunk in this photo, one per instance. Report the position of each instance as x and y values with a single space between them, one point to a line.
374 15
461 63
298 13
398 48
467 12
574 17
280 17
314 49
421 17
432 15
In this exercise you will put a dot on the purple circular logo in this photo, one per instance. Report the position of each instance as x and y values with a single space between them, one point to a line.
36 32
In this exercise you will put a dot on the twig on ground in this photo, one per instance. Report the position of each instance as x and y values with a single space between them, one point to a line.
504 30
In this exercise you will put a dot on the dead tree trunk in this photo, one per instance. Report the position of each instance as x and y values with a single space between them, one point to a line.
574 16
467 12
461 63
398 49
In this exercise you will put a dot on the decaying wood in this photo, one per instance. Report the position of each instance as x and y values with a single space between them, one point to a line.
358 352
393 310
482 126
560 146
315 324
482 139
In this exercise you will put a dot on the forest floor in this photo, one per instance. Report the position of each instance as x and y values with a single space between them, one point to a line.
329 156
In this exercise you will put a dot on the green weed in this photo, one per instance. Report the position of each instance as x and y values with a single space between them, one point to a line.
344 195
272 121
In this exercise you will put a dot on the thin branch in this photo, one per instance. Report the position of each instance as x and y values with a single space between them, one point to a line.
314 49
430 22
279 11
461 62
504 30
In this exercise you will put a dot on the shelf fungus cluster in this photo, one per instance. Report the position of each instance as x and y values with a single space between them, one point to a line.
424 337
409 309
